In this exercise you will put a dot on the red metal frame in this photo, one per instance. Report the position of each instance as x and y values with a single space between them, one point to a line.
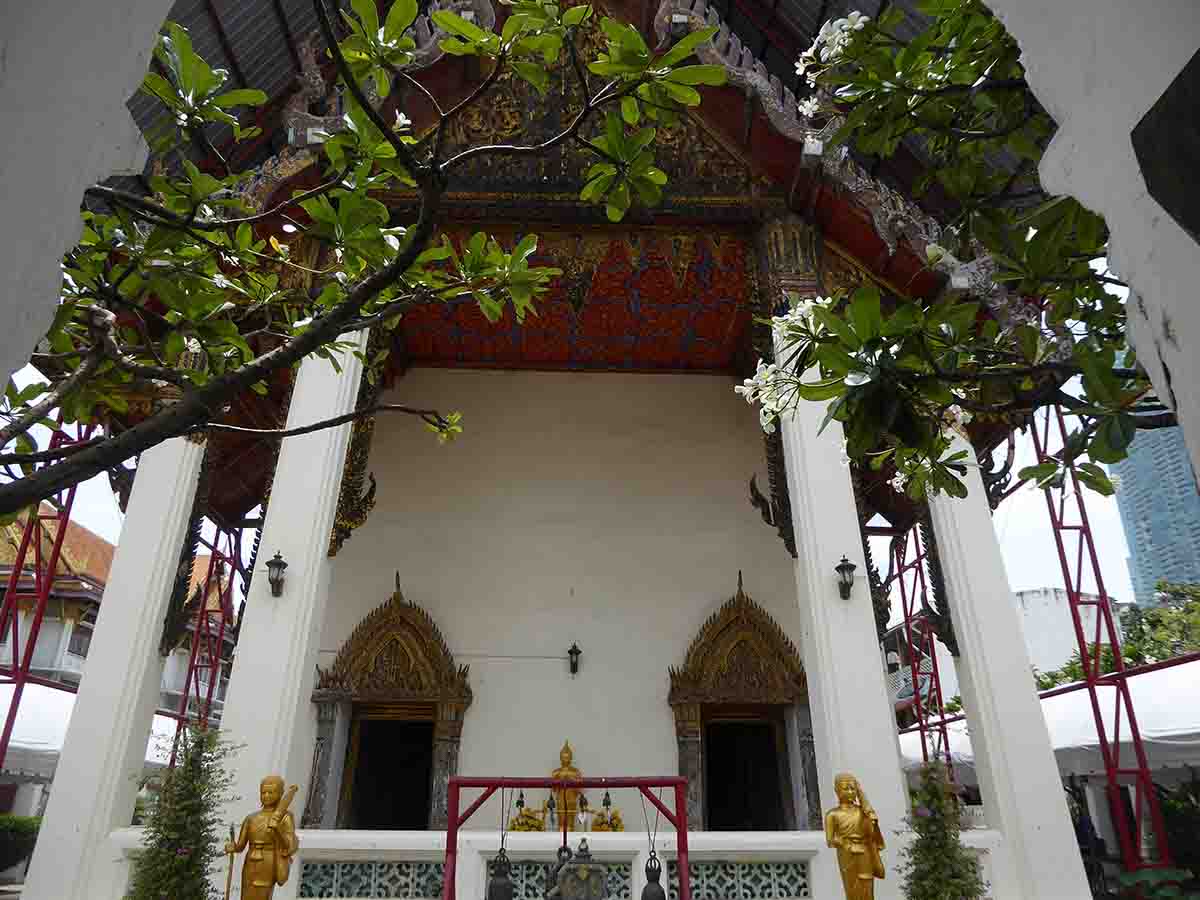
1077 554
456 820
208 632
909 560
45 570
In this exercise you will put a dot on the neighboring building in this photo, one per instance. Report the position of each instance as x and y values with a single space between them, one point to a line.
65 635
1049 637
1160 511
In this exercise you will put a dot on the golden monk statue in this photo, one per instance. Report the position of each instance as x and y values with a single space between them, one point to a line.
566 800
852 828
271 836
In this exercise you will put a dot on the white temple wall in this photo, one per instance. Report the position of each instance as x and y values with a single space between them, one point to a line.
606 509
1098 66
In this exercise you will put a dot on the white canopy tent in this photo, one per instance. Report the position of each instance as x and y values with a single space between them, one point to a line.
1167 705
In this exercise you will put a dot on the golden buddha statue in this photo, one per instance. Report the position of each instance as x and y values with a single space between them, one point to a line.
852 828
566 800
270 834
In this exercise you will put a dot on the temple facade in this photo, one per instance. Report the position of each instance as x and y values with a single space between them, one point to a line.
612 571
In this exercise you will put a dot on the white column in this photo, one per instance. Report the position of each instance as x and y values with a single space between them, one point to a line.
1022 791
269 707
854 727
105 749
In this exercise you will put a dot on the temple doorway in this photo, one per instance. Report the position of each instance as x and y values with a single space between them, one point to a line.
388 771
740 704
389 719
747 775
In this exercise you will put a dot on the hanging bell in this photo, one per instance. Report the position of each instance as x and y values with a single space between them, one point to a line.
500 886
653 890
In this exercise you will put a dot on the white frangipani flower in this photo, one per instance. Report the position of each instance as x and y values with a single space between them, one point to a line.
809 107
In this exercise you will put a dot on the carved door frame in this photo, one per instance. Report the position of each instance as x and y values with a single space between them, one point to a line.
739 658
396 657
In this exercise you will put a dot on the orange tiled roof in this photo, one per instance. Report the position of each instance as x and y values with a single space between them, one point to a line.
84 552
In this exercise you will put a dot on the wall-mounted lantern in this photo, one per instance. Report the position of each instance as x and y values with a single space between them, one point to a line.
275 568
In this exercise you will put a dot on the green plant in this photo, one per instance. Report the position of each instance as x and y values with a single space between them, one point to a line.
1030 319
1181 814
1156 884
18 834
179 290
936 865
183 829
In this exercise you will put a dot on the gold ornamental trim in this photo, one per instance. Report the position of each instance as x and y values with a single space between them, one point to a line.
740 655
396 653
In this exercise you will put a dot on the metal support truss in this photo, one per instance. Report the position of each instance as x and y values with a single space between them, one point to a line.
909 561
1109 692
31 582
212 621
908 572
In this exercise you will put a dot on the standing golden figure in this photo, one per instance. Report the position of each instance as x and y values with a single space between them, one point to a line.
852 828
271 835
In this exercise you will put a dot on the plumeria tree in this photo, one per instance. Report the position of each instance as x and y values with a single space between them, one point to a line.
1030 315
179 291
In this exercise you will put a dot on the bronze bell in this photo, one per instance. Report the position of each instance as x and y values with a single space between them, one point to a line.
580 877
500 886
653 890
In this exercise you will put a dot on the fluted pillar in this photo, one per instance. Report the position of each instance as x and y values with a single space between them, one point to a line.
105 749
854 727
269 708
1022 790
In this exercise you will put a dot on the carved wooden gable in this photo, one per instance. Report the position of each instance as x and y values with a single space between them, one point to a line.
740 656
706 177
395 653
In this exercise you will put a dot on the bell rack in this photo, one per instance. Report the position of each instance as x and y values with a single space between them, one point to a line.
455 819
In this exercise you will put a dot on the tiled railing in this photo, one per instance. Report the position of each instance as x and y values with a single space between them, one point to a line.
732 880
425 880
410 880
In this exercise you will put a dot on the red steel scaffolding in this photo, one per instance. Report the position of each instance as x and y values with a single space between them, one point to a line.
1077 555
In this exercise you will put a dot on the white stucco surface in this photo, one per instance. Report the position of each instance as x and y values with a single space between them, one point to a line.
1098 66
66 70
610 510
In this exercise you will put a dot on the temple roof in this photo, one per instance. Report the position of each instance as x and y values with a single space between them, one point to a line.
672 288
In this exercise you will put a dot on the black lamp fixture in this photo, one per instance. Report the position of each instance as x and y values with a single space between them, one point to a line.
845 573
573 655
275 567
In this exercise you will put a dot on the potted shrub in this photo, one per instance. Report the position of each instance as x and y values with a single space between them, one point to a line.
18 834
936 865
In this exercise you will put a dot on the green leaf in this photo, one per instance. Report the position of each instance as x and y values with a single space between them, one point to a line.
368 13
680 93
534 73
865 314
714 75
576 15
629 110
240 97
686 46
1038 473
399 17
456 24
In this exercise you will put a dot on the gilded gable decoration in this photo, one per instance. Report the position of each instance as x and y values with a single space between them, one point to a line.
740 656
395 653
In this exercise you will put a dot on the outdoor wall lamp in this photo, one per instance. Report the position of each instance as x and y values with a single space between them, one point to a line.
845 573
573 655
275 567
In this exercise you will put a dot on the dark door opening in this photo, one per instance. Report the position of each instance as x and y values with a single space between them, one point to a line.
392 775
745 776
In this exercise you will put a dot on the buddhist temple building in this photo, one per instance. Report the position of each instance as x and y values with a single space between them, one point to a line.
612 572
